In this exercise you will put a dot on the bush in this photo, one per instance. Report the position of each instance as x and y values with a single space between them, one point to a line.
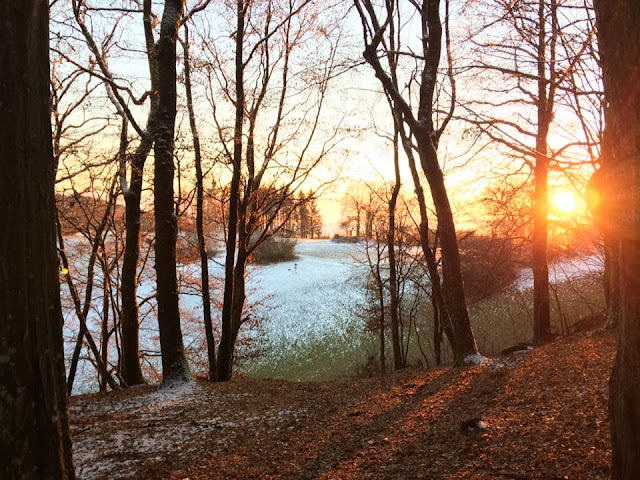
275 249
489 265
344 239
187 247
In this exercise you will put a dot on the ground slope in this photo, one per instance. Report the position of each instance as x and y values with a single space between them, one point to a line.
546 414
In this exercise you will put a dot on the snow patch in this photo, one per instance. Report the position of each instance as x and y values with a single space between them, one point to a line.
475 360
562 271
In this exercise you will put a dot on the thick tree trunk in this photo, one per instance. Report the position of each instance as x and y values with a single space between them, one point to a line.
174 362
465 343
539 265
619 43
34 431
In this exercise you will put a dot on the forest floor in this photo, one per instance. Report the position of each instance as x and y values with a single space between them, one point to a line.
545 413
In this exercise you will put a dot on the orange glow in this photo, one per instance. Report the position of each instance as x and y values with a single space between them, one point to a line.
565 202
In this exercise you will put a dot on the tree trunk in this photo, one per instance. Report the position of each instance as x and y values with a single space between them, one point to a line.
539 262
130 323
34 432
539 265
202 245
174 362
618 24
398 361
465 343
131 370
437 332
104 332
239 298
225 349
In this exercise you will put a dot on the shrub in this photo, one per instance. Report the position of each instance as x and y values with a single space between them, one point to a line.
345 239
489 265
187 247
275 249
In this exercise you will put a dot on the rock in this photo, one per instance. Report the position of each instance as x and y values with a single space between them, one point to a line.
473 425
520 347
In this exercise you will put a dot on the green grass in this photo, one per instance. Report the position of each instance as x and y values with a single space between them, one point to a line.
498 322
335 354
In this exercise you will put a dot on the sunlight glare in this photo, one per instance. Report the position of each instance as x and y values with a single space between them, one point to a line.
565 201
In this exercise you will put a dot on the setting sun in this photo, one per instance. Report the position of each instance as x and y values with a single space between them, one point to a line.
565 202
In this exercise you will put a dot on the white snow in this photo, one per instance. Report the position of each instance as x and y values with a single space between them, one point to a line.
475 360
563 271
296 304
166 423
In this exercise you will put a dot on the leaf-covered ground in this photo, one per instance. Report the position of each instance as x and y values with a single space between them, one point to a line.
545 412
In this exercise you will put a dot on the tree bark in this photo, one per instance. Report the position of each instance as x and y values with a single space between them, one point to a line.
34 430
174 361
618 24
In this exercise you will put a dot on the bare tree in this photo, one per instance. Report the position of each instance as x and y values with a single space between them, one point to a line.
531 69
35 438
276 97
132 192
93 225
420 134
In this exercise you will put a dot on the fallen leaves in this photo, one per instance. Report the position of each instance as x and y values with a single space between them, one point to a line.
545 412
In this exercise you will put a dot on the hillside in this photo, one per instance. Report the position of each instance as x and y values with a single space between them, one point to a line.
545 412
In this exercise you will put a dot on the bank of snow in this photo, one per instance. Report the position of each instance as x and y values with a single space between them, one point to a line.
563 271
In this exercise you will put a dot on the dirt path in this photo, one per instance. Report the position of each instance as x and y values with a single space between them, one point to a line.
545 412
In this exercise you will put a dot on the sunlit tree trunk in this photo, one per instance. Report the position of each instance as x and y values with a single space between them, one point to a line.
34 431
618 24
544 106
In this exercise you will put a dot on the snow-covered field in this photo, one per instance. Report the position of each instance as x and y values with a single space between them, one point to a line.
297 306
